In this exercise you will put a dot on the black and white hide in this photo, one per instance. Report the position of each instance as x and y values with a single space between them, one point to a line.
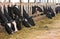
10 12
48 11
4 22
11 21
45 10
52 12
17 16
18 13
39 9
29 19
48 14
19 22
25 23
14 17
57 9
36 8
33 9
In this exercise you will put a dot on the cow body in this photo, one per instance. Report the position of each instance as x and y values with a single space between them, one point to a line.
5 23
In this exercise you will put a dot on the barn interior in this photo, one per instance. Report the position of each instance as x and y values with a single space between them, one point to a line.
29 19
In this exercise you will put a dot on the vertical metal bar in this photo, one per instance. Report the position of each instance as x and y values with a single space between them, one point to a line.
47 1
20 1
34 1
28 1
53 1
9 1
28 8
58 1
21 7
39 1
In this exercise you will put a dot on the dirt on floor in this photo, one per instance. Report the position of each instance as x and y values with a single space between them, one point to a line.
44 29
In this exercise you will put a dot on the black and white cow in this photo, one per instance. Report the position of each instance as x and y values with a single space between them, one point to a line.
29 19
26 18
17 13
15 17
18 17
49 12
5 22
9 18
36 8
57 9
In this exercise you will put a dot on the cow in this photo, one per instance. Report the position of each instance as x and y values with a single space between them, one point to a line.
48 11
25 16
34 9
29 19
10 19
51 10
57 9
5 23
14 17
17 12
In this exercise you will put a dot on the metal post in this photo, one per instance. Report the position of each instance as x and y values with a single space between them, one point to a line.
34 1
47 1
28 8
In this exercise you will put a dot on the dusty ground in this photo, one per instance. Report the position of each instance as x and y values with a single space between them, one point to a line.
44 29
